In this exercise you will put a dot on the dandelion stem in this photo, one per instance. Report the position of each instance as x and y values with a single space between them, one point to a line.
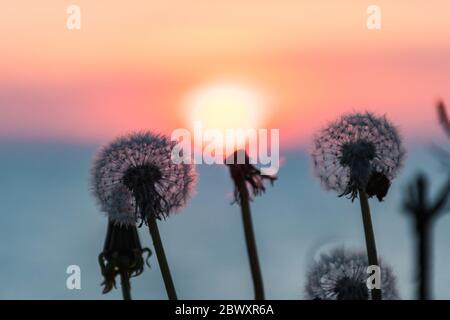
162 260
250 240
424 259
370 237
125 284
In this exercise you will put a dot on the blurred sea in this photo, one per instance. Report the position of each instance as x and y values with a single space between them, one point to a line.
49 220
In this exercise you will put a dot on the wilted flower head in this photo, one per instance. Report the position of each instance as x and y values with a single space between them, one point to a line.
122 255
359 151
134 177
245 175
341 275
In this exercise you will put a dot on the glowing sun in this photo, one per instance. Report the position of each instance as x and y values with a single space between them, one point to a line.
226 106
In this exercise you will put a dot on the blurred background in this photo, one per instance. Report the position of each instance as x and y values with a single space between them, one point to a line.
64 93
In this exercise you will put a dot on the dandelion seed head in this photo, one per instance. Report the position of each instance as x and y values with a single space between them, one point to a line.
134 176
357 150
121 208
341 275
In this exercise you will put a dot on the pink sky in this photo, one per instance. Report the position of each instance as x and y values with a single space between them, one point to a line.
132 64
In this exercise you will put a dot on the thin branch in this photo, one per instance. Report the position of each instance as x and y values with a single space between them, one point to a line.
443 117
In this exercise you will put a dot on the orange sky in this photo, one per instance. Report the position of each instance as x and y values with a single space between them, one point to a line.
133 63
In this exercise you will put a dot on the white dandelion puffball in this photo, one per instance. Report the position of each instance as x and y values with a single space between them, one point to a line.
134 177
341 275
358 151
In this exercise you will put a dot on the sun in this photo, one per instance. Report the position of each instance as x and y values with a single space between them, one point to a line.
226 106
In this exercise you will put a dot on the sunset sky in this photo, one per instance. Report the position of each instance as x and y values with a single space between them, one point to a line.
134 67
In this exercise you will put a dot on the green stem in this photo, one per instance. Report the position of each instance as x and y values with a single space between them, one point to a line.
370 237
162 260
126 288
250 242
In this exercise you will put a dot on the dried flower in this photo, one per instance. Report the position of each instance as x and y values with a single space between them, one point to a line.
341 275
248 174
134 177
122 255
359 151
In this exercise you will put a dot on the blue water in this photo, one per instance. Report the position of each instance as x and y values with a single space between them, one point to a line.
49 220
